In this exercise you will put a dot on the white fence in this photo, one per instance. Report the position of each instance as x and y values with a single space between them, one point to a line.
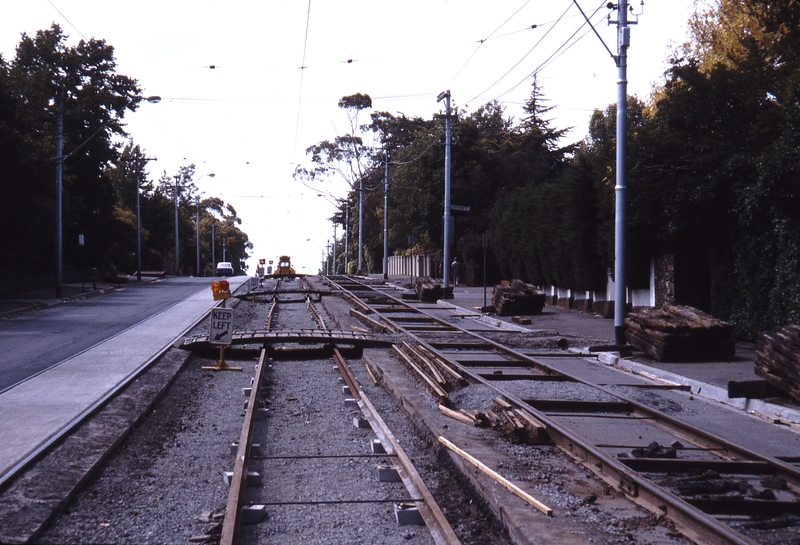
600 301
412 265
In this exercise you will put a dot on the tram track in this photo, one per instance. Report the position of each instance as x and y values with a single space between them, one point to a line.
320 478
248 502
647 477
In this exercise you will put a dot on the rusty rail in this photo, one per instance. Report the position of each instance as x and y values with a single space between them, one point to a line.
437 524
233 511
695 523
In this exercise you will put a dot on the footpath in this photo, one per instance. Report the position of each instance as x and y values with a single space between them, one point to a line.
47 404
708 379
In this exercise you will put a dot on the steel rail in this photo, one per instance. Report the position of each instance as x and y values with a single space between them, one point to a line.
699 525
272 310
431 513
313 310
233 509
440 529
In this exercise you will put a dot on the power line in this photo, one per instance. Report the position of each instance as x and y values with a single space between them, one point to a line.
523 57
417 158
557 53
481 42
302 72
67 20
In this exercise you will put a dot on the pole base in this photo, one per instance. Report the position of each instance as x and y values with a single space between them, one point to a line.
619 335
221 365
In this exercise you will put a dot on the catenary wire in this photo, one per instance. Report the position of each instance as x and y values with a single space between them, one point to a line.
481 42
302 72
524 56
67 20
558 52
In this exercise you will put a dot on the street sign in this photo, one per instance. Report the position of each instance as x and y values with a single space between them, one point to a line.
459 207
253 283
221 326
80 240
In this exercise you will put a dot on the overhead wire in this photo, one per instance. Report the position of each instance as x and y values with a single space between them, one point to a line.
419 155
67 20
558 52
302 72
523 57
481 42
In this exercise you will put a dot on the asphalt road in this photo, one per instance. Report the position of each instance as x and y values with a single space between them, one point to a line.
32 342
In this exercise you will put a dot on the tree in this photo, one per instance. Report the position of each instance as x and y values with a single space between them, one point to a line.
45 79
721 177
345 159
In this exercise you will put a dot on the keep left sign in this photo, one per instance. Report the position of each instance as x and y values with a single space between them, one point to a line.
221 326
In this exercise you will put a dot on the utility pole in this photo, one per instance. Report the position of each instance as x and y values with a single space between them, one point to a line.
139 215
334 247
448 235
213 249
59 174
620 189
346 237
386 219
360 220
177 248
197 224
197 232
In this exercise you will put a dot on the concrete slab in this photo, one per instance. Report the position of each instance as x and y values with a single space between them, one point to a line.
47 404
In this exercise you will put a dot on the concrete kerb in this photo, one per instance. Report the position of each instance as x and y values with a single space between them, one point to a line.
758 407
36 300
33 304
485 318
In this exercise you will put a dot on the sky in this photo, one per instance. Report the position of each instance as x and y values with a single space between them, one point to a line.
248 85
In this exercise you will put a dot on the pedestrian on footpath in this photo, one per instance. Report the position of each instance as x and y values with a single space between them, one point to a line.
456 271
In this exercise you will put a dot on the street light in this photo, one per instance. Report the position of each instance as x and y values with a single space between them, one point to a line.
386 220
448 228
60 157
138 217
197 223
177 245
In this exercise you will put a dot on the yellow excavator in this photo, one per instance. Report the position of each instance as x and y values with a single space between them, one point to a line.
284 267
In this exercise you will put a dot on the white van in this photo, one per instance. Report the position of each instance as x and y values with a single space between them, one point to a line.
224 268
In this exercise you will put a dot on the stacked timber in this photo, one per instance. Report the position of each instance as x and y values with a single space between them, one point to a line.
429 289
517 297
679 333
778 359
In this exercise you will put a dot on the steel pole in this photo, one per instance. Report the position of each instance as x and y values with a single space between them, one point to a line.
623 42
197 235
177 247
59 183
447 227
360 219
386 220
138 222
334 248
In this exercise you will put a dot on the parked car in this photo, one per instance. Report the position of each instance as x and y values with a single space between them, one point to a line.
224 268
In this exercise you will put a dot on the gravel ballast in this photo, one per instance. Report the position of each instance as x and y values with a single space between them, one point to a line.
164 483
